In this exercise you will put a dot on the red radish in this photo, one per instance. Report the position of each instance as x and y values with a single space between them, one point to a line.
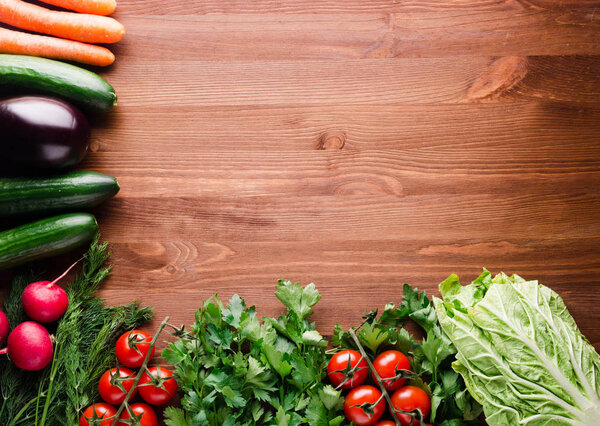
29 346
44 301
3 327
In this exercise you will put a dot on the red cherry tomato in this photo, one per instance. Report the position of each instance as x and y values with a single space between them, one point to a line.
386 423
113 389
132 347
342 362
388 364
95 413
158 387
148 418
359 396
408 398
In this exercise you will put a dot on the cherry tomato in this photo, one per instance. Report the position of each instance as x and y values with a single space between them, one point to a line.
148 418
132 348
386 423
359 396
158 387
388 364
113 389
342 362
95 413
408 398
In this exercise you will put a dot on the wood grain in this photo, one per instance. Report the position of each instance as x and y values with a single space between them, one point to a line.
470 131
191 7
356 144
354 35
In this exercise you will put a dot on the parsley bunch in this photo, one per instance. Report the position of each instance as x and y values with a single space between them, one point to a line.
237 370
451 404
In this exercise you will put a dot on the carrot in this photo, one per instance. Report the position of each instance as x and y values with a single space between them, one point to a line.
71 25
94 7
19 43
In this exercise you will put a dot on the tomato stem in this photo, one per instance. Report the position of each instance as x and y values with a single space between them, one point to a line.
379 381
141 371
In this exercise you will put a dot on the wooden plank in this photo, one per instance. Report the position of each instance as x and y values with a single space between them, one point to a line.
466 132
372 82
276 36
388 218
192 7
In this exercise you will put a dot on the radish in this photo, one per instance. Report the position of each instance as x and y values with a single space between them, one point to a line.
3 327
29 346
44 301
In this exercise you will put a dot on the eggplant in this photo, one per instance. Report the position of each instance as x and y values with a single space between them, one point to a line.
42 133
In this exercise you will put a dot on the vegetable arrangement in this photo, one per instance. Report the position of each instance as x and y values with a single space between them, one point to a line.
503 346
235 369
59 393
49 135
74 30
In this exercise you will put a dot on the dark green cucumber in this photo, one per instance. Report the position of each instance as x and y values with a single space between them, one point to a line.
72 191
46 238
65 81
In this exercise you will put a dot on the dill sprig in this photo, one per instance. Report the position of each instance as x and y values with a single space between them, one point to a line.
84 342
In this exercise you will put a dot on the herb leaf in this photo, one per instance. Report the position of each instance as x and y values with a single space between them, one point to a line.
235 369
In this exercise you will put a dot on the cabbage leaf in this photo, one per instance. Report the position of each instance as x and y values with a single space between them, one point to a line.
520 352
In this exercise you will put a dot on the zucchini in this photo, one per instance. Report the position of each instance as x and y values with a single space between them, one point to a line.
65 81
46 238
72 191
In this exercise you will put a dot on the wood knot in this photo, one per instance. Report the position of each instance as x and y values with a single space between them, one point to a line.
332 140
94 146
171 269
501 76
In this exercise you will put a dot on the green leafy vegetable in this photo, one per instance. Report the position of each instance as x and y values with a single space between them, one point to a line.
57 394
237 370
520 352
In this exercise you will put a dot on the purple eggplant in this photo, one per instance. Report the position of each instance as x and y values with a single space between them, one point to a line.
42 133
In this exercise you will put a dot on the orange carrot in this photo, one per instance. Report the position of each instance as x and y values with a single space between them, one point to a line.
71 25
19 43
94 7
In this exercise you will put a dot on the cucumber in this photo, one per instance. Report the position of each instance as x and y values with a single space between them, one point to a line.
72 191
65 81
46 238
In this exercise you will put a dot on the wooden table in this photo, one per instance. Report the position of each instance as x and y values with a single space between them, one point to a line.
355 144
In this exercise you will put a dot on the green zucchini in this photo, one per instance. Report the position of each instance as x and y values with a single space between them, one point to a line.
45 238
65 81
72 191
